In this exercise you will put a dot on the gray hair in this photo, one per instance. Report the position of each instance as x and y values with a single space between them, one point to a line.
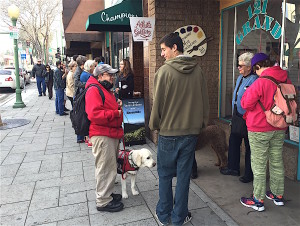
246 58
88 64
80 60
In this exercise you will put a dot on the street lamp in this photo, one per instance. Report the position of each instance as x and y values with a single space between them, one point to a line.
14 12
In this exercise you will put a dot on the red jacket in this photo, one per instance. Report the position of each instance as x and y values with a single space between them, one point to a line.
105 119
263 90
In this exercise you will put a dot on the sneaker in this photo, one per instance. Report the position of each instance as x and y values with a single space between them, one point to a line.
188 218
253 203
227 171
112 206
116 197
277 199
159 222
44 94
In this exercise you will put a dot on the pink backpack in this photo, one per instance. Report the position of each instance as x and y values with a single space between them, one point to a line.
284 110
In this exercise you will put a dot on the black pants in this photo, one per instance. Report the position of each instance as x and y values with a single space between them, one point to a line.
49 85
71 100
234 153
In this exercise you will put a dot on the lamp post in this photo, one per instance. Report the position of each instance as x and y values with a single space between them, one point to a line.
14 12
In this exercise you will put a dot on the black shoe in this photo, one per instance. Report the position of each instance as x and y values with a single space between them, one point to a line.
44 94
245 179
64 114
66 109
227 171
80 141
112 206
194 174
40 95
116 197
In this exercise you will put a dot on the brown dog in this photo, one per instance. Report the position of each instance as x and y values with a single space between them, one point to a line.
216 137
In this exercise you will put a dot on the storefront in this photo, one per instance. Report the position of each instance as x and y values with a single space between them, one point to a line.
269 26
256 26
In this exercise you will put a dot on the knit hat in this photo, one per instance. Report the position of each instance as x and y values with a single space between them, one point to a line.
258 57
105 68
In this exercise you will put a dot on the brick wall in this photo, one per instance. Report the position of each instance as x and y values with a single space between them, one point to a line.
169 16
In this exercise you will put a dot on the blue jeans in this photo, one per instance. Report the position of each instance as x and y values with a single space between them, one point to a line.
175 156
59 101
41 81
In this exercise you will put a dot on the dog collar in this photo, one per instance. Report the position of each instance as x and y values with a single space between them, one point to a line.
131 162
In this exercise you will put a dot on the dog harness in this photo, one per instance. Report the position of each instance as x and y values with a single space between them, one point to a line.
125 162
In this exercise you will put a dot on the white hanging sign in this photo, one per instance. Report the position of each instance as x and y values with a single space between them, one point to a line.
142 28
194 40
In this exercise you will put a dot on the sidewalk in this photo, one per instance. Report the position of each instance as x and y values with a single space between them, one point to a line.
48 179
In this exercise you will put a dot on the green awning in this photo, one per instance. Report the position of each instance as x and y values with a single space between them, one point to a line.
115 18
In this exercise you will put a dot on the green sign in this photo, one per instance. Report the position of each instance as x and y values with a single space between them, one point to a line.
14 35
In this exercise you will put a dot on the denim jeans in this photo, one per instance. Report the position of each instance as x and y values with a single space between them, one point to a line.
41 81
175 156
59 101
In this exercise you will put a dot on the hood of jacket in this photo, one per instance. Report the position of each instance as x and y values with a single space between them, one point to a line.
92 80
276 72
183 64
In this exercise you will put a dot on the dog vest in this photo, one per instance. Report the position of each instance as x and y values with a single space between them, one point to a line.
125 162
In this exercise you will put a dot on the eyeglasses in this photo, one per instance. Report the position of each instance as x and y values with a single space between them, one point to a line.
240 65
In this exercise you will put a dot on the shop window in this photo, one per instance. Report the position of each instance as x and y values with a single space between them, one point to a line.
257 26
120 47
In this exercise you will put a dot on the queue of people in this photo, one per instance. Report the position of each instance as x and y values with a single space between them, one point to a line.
178 117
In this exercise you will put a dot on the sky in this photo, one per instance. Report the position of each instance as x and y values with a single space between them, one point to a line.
5 41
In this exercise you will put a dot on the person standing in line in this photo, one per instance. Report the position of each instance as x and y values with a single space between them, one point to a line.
38 73
59 87
245 80
180 111
124 82
48 75
266 141
105 131
80 60
70 81
99 60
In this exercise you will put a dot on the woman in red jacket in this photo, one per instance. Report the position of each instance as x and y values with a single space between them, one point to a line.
104 132
266 141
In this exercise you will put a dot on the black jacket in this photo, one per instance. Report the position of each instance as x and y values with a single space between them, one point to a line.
77 82
38 70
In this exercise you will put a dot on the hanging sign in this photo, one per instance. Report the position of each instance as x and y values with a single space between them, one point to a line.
194 40
142 28
259 8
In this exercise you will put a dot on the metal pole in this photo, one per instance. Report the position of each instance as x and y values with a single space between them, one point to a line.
19 103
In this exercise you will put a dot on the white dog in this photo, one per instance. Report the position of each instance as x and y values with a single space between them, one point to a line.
128 164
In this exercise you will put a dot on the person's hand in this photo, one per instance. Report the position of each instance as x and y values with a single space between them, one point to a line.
117 90
120 103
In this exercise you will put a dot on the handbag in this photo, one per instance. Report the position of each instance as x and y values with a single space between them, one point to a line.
238 124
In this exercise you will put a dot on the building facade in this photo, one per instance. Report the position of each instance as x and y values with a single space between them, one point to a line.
233 27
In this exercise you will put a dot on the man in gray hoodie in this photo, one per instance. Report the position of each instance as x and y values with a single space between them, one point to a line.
180 110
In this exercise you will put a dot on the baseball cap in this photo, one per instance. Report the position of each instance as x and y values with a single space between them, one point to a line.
258 57
106 68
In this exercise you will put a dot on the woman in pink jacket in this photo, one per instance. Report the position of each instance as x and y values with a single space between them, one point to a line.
266 141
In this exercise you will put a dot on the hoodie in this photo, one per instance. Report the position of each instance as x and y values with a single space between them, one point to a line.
263 90
180 98
105 119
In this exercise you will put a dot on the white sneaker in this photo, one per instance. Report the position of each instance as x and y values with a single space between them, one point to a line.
188 218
